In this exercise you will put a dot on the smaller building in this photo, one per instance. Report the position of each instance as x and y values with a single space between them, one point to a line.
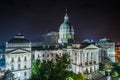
51 37
107 50
18 58
85 57
45 52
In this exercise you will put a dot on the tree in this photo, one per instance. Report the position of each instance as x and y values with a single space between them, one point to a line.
35 70
102 66
75 76
54 70
115 74
51 70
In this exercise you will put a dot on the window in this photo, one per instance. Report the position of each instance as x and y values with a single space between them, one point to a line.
12 60
38 56
25 59
25 67
47 55
91 56
18 66
25 73
12 67
75 54
43 55
52 54
18 59
33 56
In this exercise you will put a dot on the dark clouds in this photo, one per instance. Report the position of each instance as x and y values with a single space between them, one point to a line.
91 19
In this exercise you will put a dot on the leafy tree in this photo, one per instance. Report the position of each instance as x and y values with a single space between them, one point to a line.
102 66
54 70
35 70
115 74
75 76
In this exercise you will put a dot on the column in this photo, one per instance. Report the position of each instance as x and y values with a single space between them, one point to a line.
88 58
96 57
93 57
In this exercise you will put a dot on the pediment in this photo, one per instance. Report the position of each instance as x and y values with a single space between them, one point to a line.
18 50
91 46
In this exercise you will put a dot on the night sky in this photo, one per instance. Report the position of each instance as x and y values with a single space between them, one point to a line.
92 19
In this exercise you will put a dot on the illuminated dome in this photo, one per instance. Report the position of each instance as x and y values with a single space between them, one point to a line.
66 24
66 32
19 38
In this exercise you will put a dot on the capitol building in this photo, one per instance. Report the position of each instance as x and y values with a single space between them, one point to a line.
19 52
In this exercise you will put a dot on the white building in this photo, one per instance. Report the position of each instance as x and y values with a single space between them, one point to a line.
107 50
85 57
18 57
46 52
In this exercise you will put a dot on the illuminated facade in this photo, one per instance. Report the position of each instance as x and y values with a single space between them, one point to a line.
18 57
84 57
46 51
107 49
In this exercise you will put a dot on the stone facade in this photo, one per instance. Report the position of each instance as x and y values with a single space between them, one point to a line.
18 57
